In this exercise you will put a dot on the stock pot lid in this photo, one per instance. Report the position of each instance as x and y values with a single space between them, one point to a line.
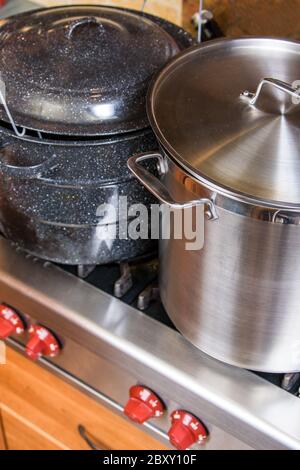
244 145
80 69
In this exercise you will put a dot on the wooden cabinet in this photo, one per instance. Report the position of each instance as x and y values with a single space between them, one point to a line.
40 411
2 439
21 434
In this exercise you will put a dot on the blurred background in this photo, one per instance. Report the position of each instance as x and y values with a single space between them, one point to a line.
251 17
235 17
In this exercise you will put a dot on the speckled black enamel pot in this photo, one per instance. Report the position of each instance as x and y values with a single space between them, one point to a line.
83 70
76 78
50 193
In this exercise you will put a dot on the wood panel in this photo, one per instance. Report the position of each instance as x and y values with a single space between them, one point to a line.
21 434
169 9
56 408
250 17
2 436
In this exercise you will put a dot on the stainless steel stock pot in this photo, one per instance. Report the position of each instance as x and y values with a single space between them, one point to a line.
227 117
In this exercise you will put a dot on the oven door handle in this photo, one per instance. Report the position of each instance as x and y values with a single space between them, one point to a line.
83 433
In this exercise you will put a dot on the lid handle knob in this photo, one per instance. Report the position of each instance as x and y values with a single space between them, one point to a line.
293 91
81 22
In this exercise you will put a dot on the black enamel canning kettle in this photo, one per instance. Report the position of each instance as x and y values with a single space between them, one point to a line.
73 87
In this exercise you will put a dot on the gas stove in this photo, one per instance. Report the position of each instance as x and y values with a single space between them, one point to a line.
108 344
111 333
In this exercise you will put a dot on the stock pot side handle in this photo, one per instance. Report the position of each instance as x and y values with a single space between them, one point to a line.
158 189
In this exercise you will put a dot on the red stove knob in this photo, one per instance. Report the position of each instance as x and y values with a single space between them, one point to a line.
143 404
186 430
41 343
10 322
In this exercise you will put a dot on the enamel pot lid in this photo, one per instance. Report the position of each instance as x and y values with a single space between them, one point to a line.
80 70
229 113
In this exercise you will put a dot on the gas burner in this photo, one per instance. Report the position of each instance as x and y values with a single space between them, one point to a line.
291 382
83 270
150 294
124 283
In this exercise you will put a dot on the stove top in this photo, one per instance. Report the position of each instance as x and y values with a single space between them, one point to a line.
108 345
136 284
